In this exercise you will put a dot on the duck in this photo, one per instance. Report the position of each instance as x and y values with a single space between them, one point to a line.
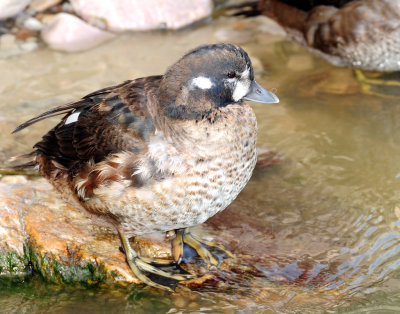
161 153
359 34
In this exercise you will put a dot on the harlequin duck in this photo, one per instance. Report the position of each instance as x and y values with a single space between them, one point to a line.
358 34
159 153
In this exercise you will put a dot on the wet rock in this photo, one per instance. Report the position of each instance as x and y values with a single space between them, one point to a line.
330 81
59 240
29 45
62 242
300 63
24 34
125 15
68 33
268 157
42 5
10 8
33 24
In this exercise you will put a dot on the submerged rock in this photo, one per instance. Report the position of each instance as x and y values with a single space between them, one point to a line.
132 15
67 32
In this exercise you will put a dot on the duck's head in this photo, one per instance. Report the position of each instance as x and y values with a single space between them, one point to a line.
208 78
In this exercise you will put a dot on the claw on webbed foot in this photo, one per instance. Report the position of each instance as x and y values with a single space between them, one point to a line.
144 269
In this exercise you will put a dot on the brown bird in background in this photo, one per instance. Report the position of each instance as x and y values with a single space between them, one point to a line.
359 34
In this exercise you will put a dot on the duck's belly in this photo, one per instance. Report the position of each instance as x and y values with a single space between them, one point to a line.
185 200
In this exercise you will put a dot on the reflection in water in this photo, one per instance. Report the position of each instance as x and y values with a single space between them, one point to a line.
322 228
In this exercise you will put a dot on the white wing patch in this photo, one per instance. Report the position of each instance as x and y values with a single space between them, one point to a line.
202 82
72 118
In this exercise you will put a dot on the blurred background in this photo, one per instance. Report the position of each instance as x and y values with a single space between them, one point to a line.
319 222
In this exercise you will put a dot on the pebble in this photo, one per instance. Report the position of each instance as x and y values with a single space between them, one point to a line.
10 8
67 32
29 45
43 5
33 24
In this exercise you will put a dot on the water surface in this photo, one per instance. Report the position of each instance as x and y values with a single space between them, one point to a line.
322 226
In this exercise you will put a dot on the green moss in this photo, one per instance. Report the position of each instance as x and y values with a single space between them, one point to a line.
11 264
53 270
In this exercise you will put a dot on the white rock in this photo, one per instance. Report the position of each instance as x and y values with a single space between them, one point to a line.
66 32
123 15
9 8
33 24
29 45
42 5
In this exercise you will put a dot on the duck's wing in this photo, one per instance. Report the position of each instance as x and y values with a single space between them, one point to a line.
108 121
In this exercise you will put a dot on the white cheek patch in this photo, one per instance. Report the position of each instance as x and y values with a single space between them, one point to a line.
245 74
72 118
241 89
202 82
242 86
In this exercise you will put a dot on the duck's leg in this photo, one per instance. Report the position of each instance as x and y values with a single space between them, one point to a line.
379 83
184 236
140 265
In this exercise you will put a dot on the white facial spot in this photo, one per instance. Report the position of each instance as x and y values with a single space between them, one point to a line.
245 74
72 118
202 82
241 89
242 86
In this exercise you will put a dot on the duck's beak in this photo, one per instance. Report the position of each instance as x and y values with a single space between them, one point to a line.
259 94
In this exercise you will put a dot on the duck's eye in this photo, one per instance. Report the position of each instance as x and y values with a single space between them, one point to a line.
231 75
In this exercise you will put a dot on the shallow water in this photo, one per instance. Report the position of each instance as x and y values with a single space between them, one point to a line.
324 223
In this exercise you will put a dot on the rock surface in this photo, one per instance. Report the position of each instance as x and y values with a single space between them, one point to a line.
67 32
42 5
133 15
57 239
40 232
61 242
10 8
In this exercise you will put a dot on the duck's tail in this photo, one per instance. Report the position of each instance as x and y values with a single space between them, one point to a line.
29 165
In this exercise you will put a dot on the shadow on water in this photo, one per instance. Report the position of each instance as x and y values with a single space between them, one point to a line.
321 228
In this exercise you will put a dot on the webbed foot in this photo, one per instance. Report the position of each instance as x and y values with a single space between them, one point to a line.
155 277
183 236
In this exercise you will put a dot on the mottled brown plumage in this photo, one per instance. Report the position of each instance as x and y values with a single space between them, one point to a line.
158 153
362 34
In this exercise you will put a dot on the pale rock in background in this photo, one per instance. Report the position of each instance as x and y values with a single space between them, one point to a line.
67 32
10 8
42 5
132 15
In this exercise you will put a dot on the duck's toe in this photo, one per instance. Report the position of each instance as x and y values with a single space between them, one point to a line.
202 248
144 270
